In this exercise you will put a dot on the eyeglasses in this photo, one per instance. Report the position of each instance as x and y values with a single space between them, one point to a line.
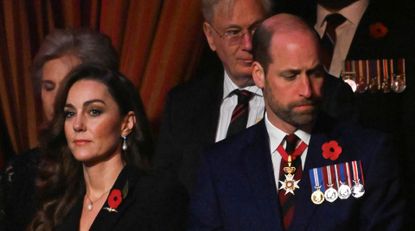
234 35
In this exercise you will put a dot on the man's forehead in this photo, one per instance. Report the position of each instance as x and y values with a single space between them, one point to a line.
294 38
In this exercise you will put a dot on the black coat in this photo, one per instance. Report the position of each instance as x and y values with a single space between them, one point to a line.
149 202
391 112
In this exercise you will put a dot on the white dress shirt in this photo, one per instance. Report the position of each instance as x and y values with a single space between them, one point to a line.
276 137
229 102
344 32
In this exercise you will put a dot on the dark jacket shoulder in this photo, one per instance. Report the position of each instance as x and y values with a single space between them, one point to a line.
149 201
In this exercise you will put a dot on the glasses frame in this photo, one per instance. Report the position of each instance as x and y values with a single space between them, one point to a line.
236 38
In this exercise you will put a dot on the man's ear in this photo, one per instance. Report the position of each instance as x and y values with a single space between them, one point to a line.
258 74
128 123
209 36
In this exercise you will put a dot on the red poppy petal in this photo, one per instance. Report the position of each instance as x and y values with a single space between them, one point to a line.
331 150
115 198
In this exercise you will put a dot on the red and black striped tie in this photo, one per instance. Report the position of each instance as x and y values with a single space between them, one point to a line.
240 113
287 201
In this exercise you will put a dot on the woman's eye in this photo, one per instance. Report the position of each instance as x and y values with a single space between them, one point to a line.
95 112
48 86
69 114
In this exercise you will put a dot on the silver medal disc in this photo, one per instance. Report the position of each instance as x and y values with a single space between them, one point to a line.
358 190
330 194
344 191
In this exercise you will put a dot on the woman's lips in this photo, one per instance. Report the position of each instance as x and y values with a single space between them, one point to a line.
81 142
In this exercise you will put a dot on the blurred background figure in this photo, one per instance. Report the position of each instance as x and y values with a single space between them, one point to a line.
92 172
370 43
218 94
60 52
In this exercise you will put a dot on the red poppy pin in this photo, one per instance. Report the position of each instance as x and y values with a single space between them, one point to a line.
378 30
331 150
114 200
116 197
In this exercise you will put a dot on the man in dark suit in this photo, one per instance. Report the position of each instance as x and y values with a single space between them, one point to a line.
337 176
370 30
376 30
199 112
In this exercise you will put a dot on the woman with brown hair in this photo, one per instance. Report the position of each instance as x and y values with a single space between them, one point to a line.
89 179
59 53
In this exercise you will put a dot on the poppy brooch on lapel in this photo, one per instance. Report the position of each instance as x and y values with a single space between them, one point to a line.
378 30
115 198
331 150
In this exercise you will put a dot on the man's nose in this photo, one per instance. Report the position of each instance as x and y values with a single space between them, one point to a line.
246 41
305 86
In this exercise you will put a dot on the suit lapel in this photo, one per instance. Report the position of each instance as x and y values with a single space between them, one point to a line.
107 219
305 209
361 39
258 166
364 45
213 108
210 106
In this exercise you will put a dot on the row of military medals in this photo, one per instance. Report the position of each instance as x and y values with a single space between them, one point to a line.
339 181
377 75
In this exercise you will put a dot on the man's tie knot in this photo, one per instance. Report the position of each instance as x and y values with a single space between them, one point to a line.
292 141
244 96
333 21
240 113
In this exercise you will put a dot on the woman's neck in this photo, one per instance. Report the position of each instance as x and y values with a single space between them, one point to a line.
100 177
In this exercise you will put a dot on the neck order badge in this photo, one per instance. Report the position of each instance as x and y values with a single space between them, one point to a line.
290 154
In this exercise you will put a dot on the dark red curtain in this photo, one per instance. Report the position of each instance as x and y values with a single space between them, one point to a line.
159 43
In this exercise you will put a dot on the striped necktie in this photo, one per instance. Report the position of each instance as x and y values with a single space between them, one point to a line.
240 113
287 199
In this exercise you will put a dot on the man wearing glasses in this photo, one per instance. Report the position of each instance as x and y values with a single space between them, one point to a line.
224 101
208 109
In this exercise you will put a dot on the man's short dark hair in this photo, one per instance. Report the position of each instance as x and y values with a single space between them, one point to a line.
261 42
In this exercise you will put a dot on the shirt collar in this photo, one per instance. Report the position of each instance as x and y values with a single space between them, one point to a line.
353 13
276 135
229 86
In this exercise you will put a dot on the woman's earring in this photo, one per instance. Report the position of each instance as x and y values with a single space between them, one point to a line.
124 143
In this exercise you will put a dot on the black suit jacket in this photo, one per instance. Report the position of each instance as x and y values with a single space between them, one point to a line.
386 112
152 202
189 124
191 118
391 112
236 187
